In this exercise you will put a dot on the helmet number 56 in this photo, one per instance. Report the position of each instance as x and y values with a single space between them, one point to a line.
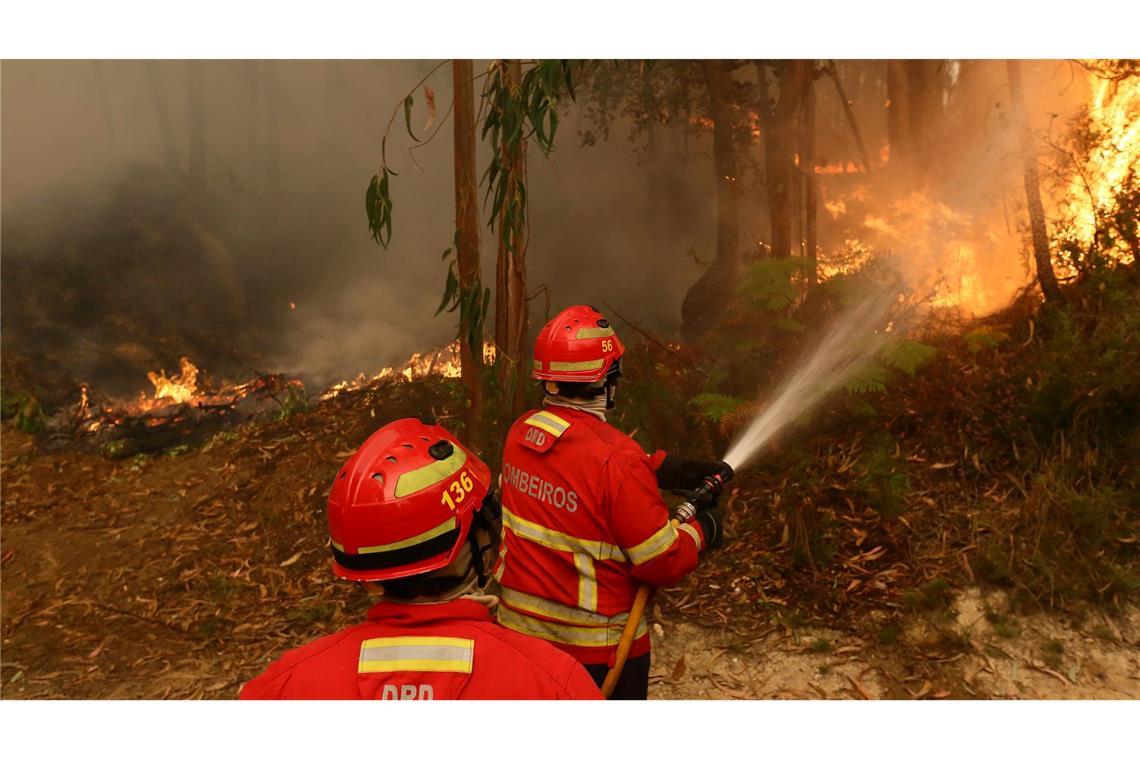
459 488
607 345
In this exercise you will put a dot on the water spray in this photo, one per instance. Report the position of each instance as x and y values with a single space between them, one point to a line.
854 339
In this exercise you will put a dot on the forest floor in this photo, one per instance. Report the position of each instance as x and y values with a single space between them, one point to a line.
182 576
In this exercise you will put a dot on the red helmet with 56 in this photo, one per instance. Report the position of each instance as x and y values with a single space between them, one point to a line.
404 503
577 346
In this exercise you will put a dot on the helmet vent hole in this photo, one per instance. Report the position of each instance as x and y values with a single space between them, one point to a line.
407 446
343 475
390 459
424 438
441 450
378 477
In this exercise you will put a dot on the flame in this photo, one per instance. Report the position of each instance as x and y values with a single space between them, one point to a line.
1114 156
443 362
181 388
850 167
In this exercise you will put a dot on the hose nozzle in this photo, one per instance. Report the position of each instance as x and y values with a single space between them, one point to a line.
705 494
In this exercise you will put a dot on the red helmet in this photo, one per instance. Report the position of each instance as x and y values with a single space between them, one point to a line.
404 502
577 346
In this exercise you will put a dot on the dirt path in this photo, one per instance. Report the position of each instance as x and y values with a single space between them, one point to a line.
963 653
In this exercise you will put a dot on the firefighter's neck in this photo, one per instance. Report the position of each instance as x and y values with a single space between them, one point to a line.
595 406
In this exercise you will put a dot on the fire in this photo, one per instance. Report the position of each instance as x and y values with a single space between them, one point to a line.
443 362
181 388
849 167
1114 156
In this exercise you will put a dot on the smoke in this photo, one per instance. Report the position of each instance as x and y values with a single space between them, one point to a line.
117 262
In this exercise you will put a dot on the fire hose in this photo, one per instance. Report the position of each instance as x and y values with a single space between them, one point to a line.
702 498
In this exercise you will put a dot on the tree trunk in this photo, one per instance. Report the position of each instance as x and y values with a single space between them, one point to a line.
162 109
924 107
807 165
1038 231
707 299
196 107
467 251
516 337
781 144
897 128
510 269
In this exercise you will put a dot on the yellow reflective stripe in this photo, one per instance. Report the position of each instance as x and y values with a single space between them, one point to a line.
587 582
436 654
692 532
537 364
653 546
563 542
336 546
502 563
438 530
594 332
429 475
551 423
576 366
524 602
566 634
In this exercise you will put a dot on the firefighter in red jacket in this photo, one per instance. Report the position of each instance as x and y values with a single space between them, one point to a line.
409 518
583 521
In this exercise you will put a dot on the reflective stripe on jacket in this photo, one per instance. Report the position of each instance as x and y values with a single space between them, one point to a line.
583 526
453 650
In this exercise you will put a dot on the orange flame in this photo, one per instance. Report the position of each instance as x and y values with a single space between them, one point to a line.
180 388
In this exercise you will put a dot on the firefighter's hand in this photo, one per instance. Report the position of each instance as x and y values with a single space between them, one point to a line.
712 525
678 473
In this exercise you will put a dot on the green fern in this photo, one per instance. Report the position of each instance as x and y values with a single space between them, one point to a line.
983 337
870 379
772 284
908 355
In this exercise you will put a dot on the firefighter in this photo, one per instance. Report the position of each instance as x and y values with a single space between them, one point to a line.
583 521
410 518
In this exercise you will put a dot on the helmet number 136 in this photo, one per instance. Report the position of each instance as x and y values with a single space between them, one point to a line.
459 487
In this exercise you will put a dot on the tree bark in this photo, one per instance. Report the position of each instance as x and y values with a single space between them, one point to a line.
897 128
467 252
1040 234
924 106
510 270
807 165
707 298
517 278
196 108
782 147
162 110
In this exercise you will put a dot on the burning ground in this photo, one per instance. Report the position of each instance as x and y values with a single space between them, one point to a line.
854 569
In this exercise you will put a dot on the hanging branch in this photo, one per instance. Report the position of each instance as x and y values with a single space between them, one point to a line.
829 69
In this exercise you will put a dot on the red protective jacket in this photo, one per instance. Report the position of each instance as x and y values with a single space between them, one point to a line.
453 650
583 526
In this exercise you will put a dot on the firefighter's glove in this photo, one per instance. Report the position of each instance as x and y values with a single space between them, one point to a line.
712 526
680 474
